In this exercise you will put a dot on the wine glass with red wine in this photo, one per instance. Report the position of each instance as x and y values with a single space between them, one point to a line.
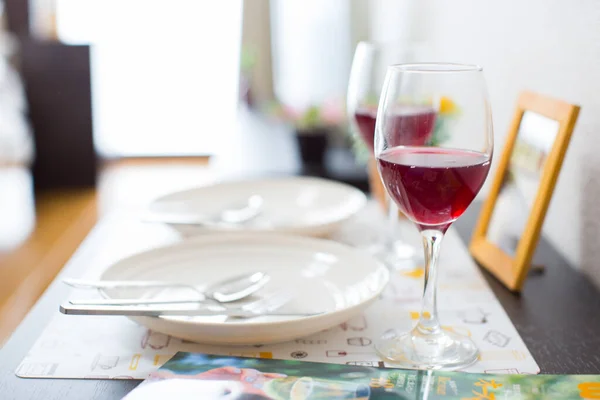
364 89
432 182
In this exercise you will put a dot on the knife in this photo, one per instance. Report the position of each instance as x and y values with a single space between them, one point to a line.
142 311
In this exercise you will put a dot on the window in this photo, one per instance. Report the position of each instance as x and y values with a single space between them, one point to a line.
164 73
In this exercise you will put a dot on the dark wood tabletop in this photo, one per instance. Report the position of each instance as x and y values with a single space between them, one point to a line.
557 315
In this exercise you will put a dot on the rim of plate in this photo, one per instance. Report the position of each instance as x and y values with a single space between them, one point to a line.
227 237
360 196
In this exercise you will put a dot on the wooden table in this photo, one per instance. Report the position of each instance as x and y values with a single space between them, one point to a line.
39 237
558 316
36 239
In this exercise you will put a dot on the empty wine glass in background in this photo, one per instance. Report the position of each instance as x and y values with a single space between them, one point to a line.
432 182
366 81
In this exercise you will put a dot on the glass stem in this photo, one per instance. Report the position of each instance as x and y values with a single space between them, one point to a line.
428 321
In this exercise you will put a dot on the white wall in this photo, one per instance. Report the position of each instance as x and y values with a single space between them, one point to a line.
551 47
390 20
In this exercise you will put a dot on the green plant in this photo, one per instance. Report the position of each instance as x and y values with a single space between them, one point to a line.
329 114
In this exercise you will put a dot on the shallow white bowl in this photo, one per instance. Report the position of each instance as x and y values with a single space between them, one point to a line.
323 276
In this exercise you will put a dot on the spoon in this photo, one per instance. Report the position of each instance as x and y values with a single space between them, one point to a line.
226 291
237 214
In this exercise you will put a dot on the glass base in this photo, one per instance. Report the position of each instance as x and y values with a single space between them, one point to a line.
415 350
397 255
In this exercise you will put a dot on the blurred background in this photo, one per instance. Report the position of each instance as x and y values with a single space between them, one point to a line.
106 104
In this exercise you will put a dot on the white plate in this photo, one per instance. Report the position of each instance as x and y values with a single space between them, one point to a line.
323 275
298 205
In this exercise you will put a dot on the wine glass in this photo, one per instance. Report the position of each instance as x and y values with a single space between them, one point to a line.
364 88
432 177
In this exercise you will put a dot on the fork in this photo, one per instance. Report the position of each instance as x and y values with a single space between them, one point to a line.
232 215
228 290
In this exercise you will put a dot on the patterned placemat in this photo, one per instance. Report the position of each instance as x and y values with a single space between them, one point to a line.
117 348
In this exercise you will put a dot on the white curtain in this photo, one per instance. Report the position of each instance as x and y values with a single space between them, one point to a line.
311 50
16 143
17 208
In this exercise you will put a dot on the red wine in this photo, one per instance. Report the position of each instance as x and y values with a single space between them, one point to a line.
365 119
433 186
408 125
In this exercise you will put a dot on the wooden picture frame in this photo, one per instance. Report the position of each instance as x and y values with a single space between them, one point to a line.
512 270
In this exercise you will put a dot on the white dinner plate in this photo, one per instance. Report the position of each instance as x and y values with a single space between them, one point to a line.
298 205
322 275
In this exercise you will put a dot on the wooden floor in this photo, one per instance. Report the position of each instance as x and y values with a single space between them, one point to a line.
63 219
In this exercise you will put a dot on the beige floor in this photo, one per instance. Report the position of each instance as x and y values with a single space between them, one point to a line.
63 219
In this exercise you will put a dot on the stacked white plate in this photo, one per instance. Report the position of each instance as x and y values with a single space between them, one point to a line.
297 205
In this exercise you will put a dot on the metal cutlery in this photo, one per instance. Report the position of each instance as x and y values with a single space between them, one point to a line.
228 290
263 307
139 311
235 215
